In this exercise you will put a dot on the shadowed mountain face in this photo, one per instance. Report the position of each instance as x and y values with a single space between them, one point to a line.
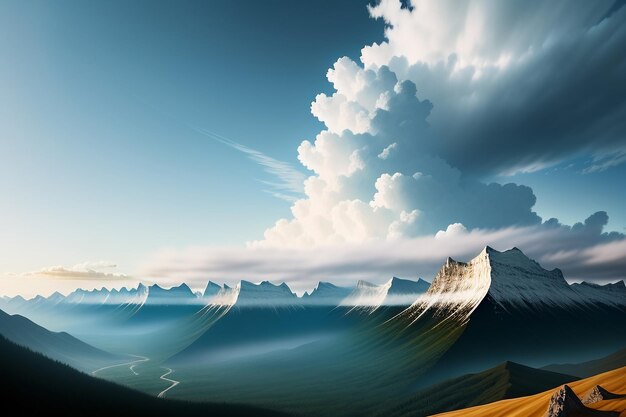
508 380
40 386
251 330
513 309
326 293
317 355
59 346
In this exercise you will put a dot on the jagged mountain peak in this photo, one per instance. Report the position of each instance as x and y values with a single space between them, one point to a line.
565 403
598 393
267 285
326 293
55 296
407 286
180 294
264 293
211 289
618 286
610 294
509 279
395 292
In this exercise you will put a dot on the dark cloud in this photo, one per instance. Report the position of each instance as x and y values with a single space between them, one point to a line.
540 83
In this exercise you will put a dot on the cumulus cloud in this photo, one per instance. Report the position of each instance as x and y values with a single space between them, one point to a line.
84 271
516 86
455 94
389 182
583 251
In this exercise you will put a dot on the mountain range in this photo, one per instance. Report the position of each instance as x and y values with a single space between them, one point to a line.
245 294
399 342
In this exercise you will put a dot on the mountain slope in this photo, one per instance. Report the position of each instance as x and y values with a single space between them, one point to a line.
537 405
59 346
264 294
589 368
39 386
610 294
180 295
508 380
326 293
395 292
514 310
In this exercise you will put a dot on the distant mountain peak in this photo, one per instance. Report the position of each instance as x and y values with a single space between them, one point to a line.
610 294
395 292
326 293
262 294
211 289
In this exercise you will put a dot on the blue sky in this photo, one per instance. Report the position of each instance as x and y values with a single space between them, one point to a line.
98 159
102 105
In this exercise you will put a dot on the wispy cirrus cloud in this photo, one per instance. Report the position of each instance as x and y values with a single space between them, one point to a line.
289 181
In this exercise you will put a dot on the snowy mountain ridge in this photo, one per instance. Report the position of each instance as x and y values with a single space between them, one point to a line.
511 281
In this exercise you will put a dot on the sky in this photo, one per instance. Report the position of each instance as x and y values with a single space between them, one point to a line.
187 141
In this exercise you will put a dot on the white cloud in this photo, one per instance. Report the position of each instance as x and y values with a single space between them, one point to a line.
87 271
453 230
83 266
387 151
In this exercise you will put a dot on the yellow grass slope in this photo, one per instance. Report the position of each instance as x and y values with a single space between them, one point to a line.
536 405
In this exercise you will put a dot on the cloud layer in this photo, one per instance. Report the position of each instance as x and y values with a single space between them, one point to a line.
582 251
85 271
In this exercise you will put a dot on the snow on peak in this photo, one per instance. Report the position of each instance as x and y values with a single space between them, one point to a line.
211 290
395 292
610 294
326 293
520 281
248 294
510 279
458 288
181 294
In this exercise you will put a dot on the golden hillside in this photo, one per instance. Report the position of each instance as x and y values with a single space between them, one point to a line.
536 405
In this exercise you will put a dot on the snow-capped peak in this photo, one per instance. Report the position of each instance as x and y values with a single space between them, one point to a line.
248 294
509 279
395 292
326 293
